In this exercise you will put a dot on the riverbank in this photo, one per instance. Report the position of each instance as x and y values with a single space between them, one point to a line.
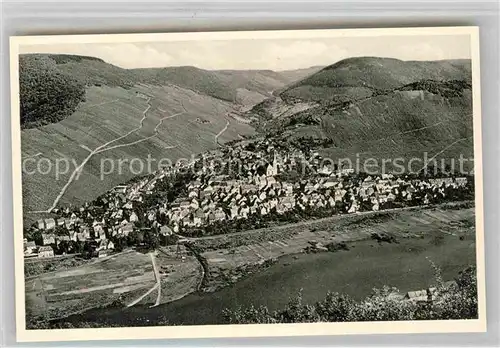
367 265
232 258
447 238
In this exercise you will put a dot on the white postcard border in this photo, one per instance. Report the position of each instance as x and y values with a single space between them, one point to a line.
254 330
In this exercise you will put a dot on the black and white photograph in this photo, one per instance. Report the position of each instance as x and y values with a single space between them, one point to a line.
247 183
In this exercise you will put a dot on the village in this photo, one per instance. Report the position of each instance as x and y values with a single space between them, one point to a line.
243 185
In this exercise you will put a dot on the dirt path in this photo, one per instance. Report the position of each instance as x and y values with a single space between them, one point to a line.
443 150
158 280
221 132
104 147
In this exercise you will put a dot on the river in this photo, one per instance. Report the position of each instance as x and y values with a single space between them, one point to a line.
356 272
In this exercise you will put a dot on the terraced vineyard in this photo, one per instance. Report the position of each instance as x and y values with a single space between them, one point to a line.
168 127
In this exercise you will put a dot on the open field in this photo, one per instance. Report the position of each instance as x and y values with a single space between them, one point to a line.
183 276
127 277
95 284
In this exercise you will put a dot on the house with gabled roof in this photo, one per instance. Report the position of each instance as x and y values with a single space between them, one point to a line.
194 204
45 251
50 224
48 239
288 201
220 215
102 253
244 211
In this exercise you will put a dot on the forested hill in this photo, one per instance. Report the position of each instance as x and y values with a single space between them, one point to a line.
354 78
377 107
53 85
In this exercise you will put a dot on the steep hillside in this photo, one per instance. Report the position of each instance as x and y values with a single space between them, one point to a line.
376 108
86 113
120 117
116 124
53 85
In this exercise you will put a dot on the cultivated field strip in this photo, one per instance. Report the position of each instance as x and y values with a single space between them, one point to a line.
130 276
98 283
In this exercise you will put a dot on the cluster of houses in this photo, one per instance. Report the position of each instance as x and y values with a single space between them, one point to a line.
232 183
221 191
61 235
221 199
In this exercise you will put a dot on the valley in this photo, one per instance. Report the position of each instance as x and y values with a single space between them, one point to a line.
125 118
142 244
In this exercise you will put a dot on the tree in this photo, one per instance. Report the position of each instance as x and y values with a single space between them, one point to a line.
47 95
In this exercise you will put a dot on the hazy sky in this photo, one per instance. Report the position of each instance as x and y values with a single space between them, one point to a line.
274 54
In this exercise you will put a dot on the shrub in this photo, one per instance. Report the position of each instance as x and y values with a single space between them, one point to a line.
458 301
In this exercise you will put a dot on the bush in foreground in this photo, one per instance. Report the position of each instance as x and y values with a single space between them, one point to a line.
458 301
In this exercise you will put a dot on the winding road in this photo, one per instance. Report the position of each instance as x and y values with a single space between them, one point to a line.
31 156
153 288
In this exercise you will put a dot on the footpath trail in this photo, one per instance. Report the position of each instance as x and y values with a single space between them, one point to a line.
221 132
105 147
158 280
137 300
147 138
153 288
